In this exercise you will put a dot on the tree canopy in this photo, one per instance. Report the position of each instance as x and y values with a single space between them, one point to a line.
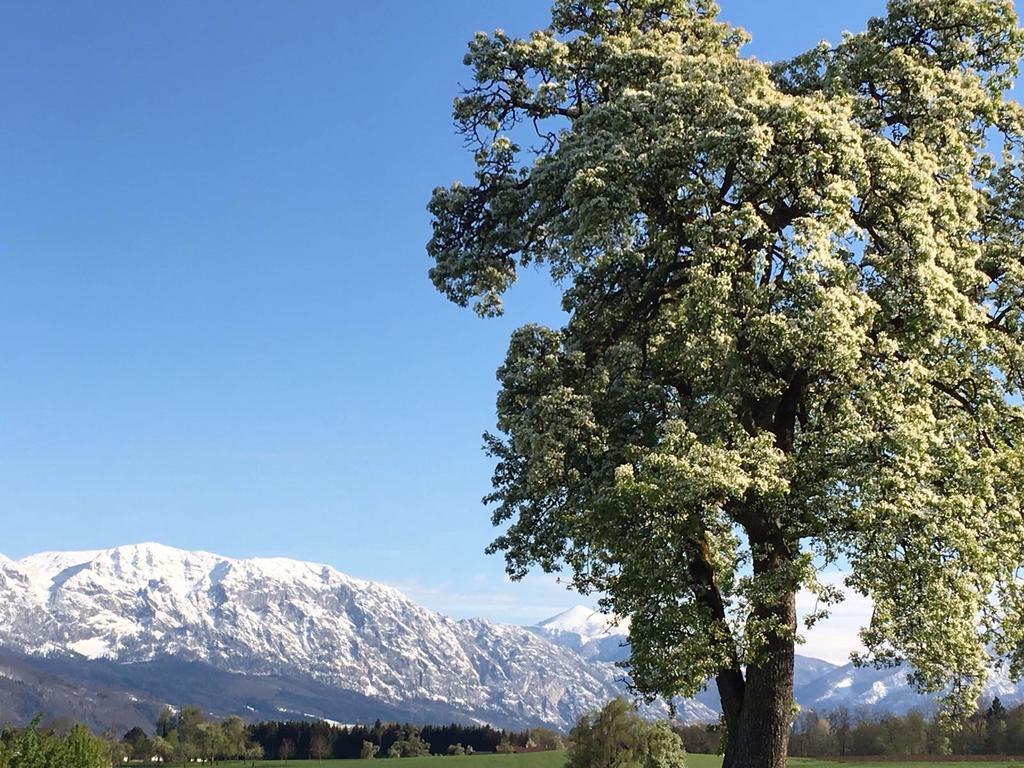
32 747
617 737
794 331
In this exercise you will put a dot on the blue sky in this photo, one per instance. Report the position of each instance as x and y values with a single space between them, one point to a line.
216 329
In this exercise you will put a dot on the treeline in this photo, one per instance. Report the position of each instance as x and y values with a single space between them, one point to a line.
319 739
991 730
187 735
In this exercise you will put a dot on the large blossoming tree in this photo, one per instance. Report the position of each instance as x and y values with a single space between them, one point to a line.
794 334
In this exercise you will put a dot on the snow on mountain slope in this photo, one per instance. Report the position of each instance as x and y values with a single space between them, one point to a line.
290 620
888 690
588 623
818 684
274 616
46 566
590 633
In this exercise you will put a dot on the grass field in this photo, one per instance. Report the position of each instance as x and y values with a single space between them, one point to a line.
557 760
530 760
807 762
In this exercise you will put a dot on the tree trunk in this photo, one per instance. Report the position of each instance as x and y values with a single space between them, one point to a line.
758 709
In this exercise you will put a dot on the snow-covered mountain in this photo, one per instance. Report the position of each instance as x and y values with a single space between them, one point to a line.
818 684
147 603
888 690
115 634
588 632
586 623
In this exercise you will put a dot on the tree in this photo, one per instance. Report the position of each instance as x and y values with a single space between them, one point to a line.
139 744
617 737
234 737
166 722
701 738
369 750
163 749
319 746
31 748
253 752
793 338
839 722
995 728
114 751
409 744
84 750
545 738
191 735
285 750
811 736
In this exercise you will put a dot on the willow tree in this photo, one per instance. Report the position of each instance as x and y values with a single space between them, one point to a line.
793 337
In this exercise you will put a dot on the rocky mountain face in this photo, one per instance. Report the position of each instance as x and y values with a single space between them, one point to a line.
274 617
111 636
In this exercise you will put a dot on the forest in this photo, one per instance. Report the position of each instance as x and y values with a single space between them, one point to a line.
188 735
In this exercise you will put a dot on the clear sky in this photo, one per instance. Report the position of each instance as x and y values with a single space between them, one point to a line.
216 329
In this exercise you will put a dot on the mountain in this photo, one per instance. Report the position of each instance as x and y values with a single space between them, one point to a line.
806 669
817 684
111 636
586 623
588 632
136 609
597 636
888 690
106 694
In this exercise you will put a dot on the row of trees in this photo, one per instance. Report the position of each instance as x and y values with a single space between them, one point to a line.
188 735
598 737
322 740
991 730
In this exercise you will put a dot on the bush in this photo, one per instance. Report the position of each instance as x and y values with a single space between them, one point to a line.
411 744
617 737
545 738
369 750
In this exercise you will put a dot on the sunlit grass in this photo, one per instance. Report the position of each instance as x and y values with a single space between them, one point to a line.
557 760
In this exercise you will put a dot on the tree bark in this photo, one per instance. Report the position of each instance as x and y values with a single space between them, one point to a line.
758 728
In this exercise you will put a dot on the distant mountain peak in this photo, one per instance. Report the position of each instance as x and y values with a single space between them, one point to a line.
588 623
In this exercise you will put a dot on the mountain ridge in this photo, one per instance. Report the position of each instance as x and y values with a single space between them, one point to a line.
276 616
306 639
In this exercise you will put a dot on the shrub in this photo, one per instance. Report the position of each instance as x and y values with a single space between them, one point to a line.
617 737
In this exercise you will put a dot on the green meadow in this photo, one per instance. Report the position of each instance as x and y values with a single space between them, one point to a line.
527 760
557 760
